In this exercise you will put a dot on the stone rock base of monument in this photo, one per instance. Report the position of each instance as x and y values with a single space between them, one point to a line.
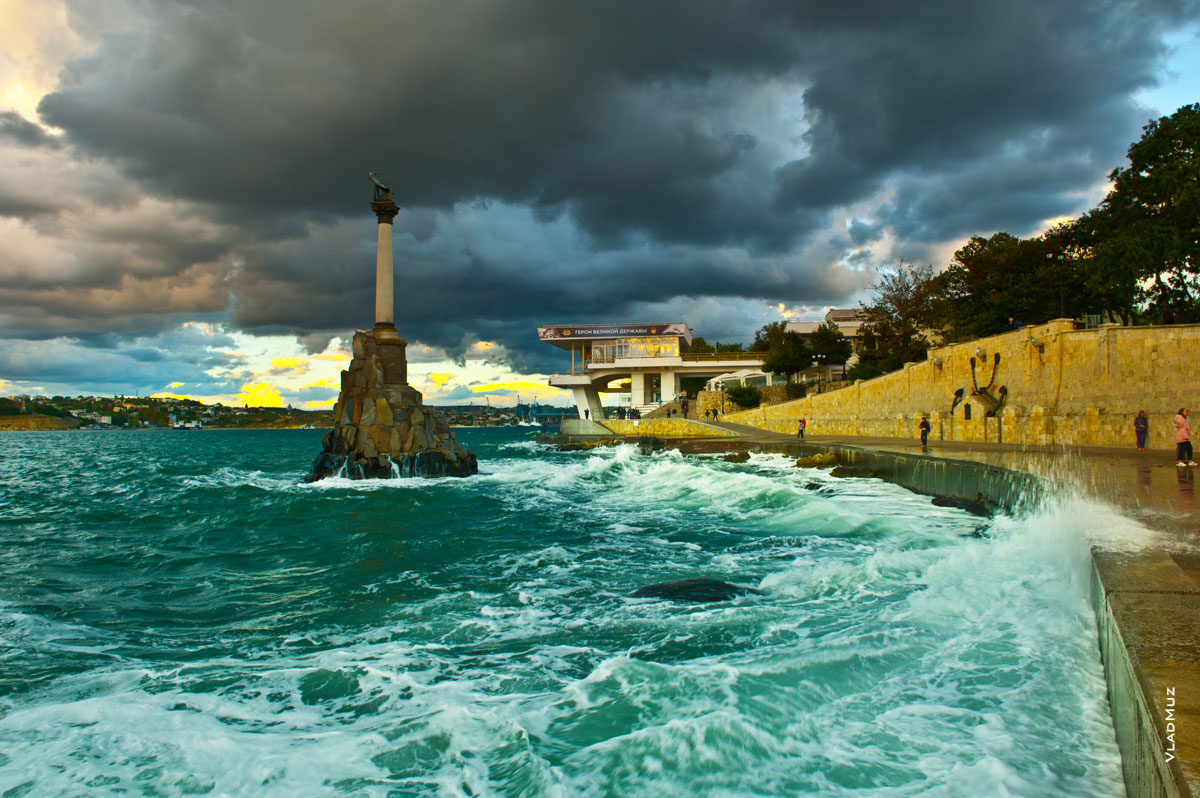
380 428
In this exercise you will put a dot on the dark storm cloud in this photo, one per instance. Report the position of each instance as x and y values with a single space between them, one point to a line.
17 128
573 162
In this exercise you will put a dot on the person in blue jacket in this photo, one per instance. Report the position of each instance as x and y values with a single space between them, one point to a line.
1141 425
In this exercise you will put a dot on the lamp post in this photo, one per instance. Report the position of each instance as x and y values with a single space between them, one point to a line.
1059 259
820 362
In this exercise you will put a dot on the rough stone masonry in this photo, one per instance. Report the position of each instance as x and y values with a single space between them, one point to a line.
380 428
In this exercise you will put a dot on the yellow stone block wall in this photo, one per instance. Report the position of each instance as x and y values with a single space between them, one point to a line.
665 428
1077 387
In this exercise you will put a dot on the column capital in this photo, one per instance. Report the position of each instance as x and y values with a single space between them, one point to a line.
385 210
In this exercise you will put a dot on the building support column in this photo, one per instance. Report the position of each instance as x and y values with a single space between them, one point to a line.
588 398
637 389
668 385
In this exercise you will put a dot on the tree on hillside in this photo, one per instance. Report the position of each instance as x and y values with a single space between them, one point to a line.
830 346
698 347
992 280
767 336
893 327
1144 238
789 354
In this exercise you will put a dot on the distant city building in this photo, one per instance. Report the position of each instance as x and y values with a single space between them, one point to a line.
849 322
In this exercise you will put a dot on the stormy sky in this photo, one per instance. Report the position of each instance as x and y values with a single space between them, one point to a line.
182 183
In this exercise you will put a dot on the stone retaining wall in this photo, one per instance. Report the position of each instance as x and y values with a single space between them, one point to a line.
1064 386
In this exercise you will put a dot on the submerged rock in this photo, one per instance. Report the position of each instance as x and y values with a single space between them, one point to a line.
648 444
737 457
697 589
583 446
977 506
817 460
851 472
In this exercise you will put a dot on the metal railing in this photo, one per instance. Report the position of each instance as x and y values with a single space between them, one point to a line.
703 356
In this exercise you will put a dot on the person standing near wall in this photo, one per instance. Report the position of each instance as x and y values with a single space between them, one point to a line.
1183 439
924 427
1141 425
800 429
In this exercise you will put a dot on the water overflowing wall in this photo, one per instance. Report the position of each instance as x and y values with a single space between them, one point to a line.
958 479
1146 615
1061 386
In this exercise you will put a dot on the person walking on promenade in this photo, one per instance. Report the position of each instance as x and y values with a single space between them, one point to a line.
1141 425
1183 439
800 429
924 427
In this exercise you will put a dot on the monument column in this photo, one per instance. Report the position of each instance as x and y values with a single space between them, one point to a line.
385 307
381 427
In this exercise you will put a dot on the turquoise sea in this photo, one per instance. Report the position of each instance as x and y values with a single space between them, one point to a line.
179 616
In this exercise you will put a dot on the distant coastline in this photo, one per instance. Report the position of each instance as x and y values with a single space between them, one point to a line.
41 423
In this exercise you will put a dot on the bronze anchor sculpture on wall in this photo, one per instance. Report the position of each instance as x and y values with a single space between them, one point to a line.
991 404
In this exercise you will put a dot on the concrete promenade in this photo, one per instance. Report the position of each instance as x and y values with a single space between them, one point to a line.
1147 600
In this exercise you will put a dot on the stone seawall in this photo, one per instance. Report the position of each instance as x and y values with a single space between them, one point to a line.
1146 611
1060 386
666 428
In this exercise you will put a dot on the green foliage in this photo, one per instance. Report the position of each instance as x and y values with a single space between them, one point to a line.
747 396
729 347
796 390
47 409
698 347
788 355
993 280
1142 245
868 368
10 407
768 336
906 304
829 343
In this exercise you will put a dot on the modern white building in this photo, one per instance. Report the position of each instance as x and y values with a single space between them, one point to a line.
643 360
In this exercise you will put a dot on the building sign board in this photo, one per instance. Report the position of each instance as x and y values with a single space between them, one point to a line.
555 332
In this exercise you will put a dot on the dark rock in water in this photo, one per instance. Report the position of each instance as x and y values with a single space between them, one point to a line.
695 589
813 486
819 460
583 446
850 472
649 444
977 506
737 457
